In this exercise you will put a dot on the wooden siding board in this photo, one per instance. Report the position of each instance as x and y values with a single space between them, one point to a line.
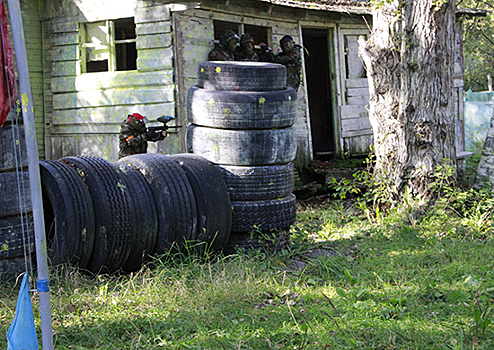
59 39
152 14
111 116
353 111
64 68
98 98
92 81
154 41
358 145
64 25
357 83
355 124
153 28
65 53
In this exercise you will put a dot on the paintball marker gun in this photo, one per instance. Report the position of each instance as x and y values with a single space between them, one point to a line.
162 119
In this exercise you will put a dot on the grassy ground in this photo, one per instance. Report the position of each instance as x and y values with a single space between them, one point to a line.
348 281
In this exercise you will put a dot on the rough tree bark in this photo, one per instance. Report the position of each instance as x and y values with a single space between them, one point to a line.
409 62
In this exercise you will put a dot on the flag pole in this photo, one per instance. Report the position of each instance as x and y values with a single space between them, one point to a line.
34 177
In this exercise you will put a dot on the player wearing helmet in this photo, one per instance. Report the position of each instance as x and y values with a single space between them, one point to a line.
291 58
225 50
246 50
134 135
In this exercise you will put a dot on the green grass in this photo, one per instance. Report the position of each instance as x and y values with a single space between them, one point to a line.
393 283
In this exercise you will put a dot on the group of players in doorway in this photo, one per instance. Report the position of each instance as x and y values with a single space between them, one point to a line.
233 48
134 135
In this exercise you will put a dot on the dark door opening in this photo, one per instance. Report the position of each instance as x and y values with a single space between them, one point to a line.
318 79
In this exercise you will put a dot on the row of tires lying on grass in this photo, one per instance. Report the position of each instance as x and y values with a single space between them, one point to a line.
242 117
106 216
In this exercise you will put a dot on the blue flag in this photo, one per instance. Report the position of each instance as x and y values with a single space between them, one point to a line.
22 333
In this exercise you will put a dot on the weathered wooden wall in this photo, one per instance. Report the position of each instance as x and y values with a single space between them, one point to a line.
84 111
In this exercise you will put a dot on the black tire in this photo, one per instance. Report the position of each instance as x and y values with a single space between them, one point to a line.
241 109
10 192
241 76
13 243
174 198
113 216
264 216
243 147
146 216
214 209
251 183
69 214
12 141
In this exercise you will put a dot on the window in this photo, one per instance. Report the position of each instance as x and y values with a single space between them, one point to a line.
108 46
259 34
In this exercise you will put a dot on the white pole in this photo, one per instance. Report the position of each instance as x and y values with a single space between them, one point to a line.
489 81
34 177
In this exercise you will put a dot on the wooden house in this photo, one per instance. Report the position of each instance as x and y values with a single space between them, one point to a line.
93 62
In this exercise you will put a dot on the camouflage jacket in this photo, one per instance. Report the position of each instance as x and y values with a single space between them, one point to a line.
133 142
293 63
220 53
240 56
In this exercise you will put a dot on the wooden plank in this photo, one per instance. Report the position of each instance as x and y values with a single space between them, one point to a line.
103 146
358 145
358 100
154 64
200 31
153 28
65 25
358 92
353 111
113 115
60 39
64 68
355 65
357 83
195 55
154 41
109 80
152 14
65 53
99 98
155 59
458 83
355 124
354 133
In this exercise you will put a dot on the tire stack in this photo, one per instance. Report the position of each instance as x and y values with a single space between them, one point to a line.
16 220
241 117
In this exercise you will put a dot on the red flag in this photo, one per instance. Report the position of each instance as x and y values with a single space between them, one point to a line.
8 89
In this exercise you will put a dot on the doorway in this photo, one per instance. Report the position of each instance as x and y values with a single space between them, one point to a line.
318 72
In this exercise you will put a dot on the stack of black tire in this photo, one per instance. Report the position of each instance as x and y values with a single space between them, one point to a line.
16 220
242 118
107 217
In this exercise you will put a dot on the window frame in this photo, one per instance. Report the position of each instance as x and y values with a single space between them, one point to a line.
111 46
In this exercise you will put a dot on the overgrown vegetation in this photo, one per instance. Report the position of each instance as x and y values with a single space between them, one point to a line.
354 277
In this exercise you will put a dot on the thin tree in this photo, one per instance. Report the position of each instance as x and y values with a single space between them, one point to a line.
410 62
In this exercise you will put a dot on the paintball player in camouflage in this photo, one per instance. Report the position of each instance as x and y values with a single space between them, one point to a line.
246 50
225 50
291 58
134 135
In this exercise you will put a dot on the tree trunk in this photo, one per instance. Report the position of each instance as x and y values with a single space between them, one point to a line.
410 62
